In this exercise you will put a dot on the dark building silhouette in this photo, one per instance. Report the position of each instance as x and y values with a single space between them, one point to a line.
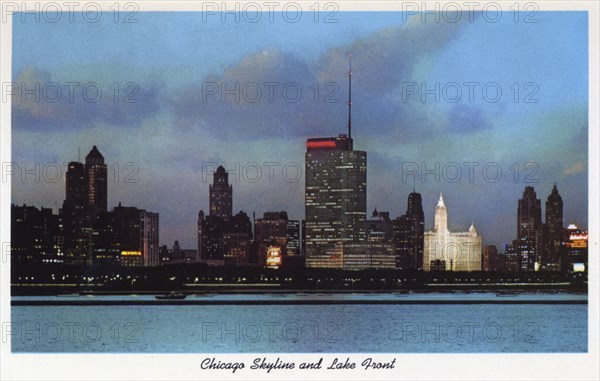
84 232
106 247
223 239
137 236
220 195
210 238
224 242
378 250
491 259
78 228
293 238
408 234
85 198
271 230
512 261
165 254
36 235
76 191
294 256
125 235
176 252
77 216
303 237
236 240
529 231
553 231
127 228
379 227
437 265
96 180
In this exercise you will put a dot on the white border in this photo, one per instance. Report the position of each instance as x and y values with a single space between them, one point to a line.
409 366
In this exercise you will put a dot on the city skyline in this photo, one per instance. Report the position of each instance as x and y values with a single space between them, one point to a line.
175 133
220 200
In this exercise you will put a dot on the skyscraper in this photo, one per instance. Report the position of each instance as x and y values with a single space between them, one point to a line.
77 215
75 190
444 250
223 239
220 195
335 196
271 230
529 231
409 230
553 231
293 238
210 238
149 238
377 251
379 227
137 236
236 240
96 183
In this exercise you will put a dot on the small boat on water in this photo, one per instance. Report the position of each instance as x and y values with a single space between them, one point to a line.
171 296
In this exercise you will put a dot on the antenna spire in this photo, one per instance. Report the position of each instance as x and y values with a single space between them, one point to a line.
350 96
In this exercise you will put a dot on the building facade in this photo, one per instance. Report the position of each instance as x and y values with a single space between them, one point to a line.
528 244
451 251
96 180
223 238
271 230
220 195
137 236
408 233
335 199
490 258
86 197
293 238
236 240
553 232
574 249
36 235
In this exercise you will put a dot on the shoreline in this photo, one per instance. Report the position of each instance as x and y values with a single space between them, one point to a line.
30 303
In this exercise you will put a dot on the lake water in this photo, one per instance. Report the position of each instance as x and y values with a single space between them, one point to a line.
330 328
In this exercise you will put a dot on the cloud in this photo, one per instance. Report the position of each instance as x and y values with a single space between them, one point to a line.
575 169
464 119
268 94
42 102
256 97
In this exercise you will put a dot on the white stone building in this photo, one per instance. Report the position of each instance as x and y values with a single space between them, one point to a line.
444 250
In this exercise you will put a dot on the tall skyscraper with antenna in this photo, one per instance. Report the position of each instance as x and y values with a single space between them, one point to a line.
335 195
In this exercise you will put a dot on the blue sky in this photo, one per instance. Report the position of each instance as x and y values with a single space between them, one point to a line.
171 130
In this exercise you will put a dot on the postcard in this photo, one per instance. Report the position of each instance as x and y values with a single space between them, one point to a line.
299 190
